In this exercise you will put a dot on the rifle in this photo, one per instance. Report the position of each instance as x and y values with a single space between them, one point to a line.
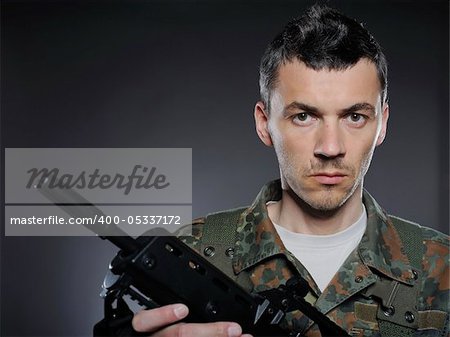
158 269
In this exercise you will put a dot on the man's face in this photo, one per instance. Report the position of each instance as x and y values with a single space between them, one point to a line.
324 126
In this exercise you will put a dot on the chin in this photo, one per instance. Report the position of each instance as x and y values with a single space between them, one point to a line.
326 203
327 199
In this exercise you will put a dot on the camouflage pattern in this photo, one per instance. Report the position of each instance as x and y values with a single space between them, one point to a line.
260 253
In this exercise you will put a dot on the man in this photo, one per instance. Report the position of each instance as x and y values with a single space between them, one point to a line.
324 109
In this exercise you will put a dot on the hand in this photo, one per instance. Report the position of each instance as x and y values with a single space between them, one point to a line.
160 321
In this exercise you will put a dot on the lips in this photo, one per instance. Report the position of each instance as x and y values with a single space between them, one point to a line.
329 178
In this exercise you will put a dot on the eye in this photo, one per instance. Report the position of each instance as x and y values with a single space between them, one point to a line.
303 118
356 119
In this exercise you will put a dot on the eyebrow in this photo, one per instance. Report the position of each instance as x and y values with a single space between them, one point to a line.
299 106
360 107
364 106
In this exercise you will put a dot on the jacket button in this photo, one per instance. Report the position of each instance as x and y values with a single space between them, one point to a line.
409 316
209 251
389 311
358 279
229 252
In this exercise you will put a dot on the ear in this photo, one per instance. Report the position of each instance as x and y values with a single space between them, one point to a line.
262 123
384 120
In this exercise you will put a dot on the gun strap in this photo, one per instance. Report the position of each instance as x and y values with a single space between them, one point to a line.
411 238
218 241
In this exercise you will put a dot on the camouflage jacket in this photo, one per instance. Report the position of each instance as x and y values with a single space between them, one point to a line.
376 272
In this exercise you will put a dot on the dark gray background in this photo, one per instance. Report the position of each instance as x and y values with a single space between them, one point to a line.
184 74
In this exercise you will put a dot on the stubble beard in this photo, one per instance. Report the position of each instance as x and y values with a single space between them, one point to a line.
328 199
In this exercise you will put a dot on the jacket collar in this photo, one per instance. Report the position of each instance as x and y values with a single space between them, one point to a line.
257 238
380 247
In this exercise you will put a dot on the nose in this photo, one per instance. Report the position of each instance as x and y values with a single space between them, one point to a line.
330 142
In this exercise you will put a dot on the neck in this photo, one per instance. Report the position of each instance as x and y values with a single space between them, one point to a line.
295 215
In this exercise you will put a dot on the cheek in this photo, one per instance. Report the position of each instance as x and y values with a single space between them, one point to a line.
365 158
292 139
293 147
293 158
359 151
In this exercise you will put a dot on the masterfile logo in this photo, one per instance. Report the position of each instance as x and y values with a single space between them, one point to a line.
140 177
60 192
150 175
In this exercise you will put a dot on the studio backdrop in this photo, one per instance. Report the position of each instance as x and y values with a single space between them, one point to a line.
184 74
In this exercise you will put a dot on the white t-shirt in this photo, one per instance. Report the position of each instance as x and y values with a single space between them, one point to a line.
322 255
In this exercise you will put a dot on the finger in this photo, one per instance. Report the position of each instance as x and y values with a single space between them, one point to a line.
154 319
218 329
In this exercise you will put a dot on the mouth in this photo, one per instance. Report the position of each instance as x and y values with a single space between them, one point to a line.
329 178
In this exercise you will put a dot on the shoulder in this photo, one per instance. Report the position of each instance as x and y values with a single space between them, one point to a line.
431 248
214 226
191 234
429 236
431 245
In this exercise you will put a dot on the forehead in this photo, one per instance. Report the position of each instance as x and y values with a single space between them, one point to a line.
324 87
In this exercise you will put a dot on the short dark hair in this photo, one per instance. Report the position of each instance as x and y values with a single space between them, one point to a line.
321 38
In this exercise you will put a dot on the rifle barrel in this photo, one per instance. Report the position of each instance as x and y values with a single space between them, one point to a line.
78 207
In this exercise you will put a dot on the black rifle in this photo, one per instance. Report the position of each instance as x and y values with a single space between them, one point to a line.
158 269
